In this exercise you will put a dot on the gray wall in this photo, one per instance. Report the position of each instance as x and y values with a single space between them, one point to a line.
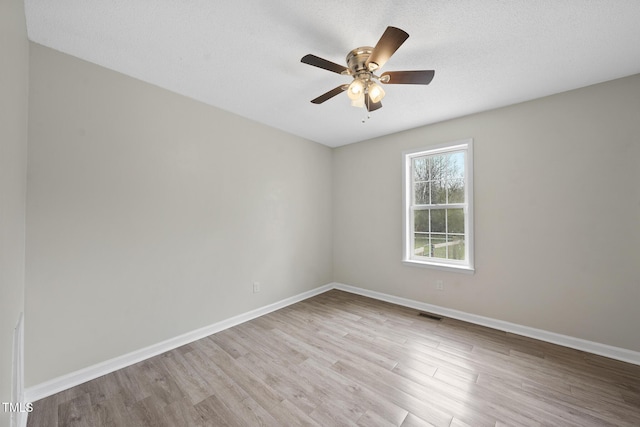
557 203
14 52
150 215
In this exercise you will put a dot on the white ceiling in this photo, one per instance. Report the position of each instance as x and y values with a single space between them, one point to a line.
244 56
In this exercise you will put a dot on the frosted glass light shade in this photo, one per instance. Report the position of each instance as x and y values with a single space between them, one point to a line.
356 89
358 102
376 93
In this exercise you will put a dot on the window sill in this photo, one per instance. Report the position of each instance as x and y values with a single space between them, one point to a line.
437 266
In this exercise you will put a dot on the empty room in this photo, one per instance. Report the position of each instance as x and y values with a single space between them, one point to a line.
414 213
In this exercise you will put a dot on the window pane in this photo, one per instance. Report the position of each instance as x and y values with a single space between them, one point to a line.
455 247
438 224
421 245
438 193
421 220
455 166
455 191
421 193
455 221
439 245
420 168
430 171
438 167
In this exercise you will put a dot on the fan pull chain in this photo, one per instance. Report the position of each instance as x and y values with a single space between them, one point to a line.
364 120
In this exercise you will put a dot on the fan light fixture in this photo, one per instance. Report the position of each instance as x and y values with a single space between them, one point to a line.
361 86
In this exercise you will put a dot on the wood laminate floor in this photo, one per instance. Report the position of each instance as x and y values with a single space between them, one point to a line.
342 359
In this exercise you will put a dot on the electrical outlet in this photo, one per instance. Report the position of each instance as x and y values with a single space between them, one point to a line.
439 285
256 287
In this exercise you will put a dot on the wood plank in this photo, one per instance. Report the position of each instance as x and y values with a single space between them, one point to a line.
76 412
45 412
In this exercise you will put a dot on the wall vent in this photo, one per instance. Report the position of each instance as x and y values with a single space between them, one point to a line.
430 316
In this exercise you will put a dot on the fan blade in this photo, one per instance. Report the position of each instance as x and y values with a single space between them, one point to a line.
420 77
390 41
371 106
316 61
330 94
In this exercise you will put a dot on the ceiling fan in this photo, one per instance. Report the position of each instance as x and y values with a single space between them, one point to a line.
362 63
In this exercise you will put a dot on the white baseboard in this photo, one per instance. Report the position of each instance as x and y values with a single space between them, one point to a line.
22 419
605 350
73 379
89 373
17 373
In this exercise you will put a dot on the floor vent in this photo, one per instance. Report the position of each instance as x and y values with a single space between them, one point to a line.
430 316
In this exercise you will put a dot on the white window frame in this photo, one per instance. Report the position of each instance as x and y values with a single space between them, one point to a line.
409 257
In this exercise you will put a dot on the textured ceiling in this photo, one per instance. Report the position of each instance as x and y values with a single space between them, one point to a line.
244 56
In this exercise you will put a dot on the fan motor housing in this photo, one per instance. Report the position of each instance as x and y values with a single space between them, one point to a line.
357 58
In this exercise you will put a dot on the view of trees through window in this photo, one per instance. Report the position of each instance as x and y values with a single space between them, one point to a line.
438 205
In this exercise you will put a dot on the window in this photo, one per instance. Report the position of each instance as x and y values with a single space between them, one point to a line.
438 206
